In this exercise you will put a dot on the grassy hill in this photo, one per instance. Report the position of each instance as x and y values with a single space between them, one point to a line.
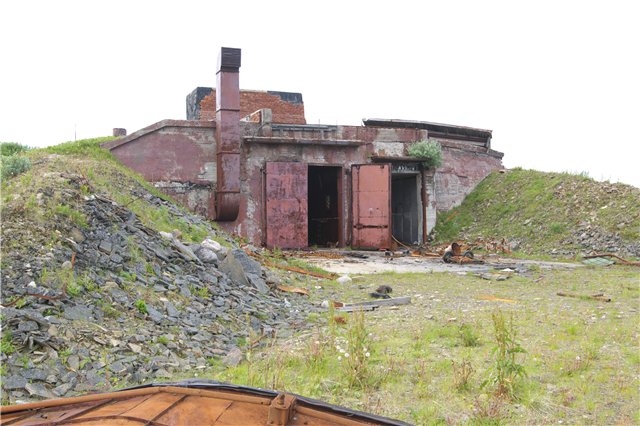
548 213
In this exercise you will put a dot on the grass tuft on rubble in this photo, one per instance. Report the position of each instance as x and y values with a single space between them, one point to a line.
542 211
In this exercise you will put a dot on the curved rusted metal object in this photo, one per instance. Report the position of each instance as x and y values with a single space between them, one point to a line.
190 402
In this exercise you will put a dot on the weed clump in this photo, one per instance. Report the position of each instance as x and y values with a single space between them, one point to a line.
507 370
462 372
468 336
356 355
141 305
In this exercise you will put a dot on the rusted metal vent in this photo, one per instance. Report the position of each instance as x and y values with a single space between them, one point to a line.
187 403
227 204
230 57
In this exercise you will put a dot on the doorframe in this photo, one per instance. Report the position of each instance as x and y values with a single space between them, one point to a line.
340 169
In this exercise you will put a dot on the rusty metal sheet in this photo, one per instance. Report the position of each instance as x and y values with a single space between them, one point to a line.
287 204
211 404
371 193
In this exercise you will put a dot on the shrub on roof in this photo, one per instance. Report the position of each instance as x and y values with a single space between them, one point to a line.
429 151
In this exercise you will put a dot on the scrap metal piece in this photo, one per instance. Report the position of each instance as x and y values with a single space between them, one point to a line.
373 304
615 256
281 409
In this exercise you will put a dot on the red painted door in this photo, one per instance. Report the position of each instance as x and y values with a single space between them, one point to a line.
287 205
371 192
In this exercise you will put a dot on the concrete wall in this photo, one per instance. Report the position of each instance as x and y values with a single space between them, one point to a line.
177 156
462 169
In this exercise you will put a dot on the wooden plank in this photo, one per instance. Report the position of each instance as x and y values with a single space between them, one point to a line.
383 302
356 308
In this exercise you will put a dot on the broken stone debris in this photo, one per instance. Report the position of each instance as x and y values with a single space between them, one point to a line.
69 341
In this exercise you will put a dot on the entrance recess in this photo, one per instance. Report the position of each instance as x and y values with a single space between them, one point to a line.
405 208
371 187
325 204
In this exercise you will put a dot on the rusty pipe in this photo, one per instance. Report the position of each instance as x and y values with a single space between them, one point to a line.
227 195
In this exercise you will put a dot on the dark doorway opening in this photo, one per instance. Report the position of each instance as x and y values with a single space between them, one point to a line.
405 208
324 206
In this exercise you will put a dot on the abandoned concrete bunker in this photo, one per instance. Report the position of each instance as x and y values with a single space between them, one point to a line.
248 160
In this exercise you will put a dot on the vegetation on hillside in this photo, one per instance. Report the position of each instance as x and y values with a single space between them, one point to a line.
467 350
12 162
541 212
101 171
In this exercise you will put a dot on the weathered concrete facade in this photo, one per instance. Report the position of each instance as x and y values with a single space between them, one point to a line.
301 185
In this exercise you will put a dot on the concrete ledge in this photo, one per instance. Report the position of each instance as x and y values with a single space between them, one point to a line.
158 126
301 141
461 146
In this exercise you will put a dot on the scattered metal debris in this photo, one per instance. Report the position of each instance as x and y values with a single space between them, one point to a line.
598 261
492 277
372 304
382 292
615 256
599 296
289 289
497 299
459 253
329 276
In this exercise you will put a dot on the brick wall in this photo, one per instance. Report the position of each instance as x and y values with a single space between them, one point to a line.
287 107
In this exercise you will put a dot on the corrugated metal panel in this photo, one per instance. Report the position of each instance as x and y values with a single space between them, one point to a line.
371 191
286 192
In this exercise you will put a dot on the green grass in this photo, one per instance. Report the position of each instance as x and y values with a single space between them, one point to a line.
428 360
541 210
75 216
6 344
84 148
141 306
104 174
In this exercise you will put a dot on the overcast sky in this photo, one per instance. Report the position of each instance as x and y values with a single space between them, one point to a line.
556 81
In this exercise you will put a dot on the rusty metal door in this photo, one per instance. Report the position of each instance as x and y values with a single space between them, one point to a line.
287 206
371 192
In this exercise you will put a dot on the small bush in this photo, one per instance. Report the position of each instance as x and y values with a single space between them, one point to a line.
12 148
429 151
14 165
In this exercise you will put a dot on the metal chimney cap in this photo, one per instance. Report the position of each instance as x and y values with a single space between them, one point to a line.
229 59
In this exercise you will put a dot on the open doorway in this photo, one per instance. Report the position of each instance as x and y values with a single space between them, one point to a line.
405 208
324 206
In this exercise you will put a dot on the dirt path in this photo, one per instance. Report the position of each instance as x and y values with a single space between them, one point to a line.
377 262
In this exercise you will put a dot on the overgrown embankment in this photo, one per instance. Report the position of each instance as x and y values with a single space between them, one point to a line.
106 282
548 213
